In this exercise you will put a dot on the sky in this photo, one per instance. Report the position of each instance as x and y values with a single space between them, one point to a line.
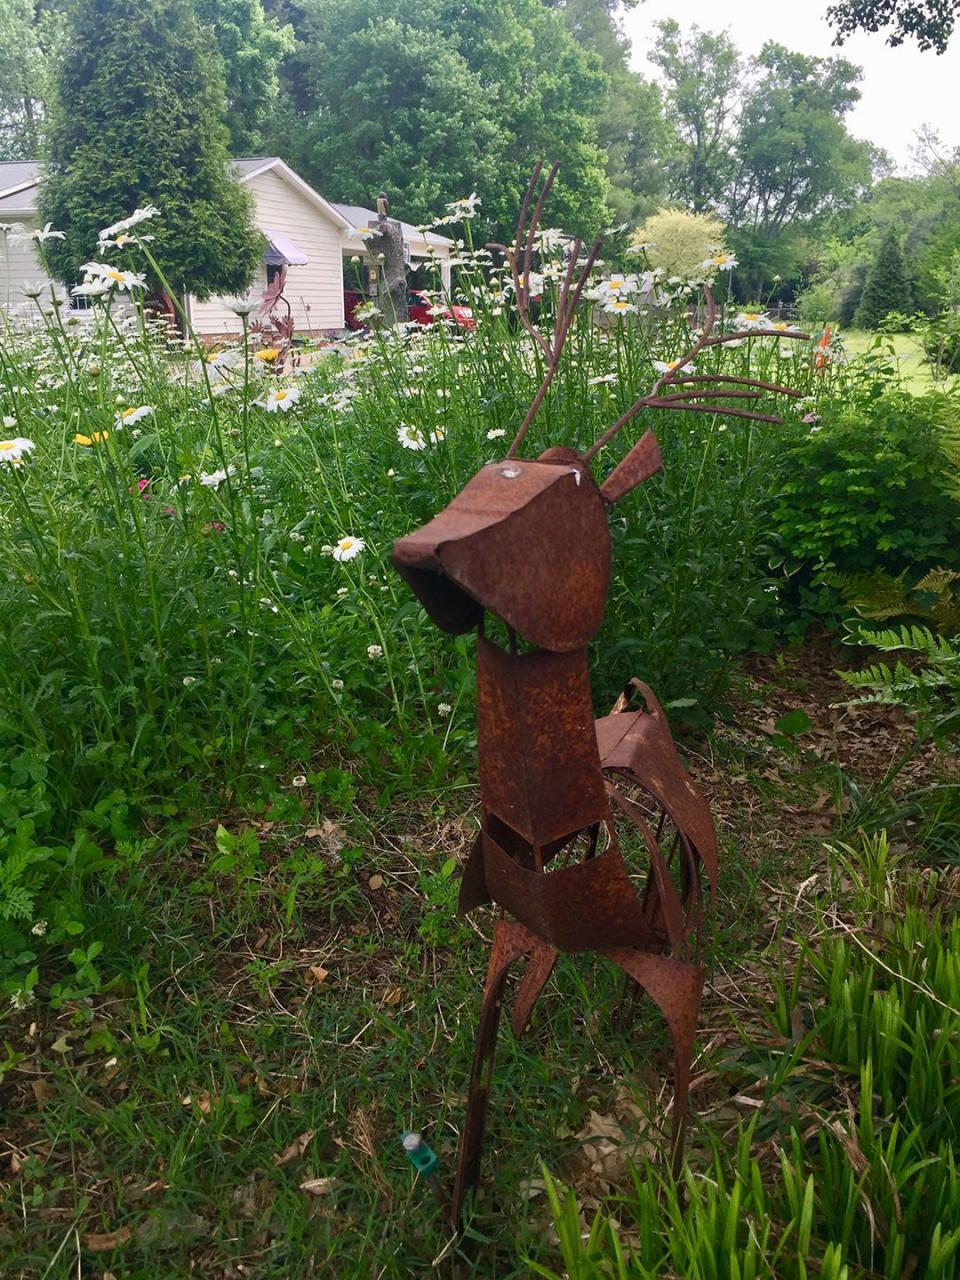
901 88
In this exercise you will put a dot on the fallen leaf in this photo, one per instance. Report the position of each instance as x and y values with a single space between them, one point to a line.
393 995
375 882
202 1100
107 1241
317 975
296 1148
42 1091
318 1186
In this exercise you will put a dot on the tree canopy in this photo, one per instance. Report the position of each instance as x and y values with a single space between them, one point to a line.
434 100
137 118
929 22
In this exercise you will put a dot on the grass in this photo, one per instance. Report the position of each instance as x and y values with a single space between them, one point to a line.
235 1098
915 374
236 777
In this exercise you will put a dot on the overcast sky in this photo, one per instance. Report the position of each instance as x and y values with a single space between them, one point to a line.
901 88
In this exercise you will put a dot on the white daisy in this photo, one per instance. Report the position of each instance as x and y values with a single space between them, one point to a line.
11 451
138 216
47 234
618 306
118 279
129 416
668 366
411 437
720 262
347 548
214 479
281 399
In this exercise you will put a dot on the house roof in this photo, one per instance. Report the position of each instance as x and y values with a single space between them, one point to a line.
19 180
357 216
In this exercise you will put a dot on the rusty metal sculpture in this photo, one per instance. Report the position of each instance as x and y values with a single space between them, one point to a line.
527 540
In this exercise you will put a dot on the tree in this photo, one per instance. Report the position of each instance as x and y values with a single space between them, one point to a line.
632 128
252 47
137 119
886 288
703 74
794 159
30 40
435 100
929 22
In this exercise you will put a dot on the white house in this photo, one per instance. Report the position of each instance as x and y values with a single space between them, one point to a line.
309 235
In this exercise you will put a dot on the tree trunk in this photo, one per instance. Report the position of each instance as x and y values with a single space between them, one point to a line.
386 248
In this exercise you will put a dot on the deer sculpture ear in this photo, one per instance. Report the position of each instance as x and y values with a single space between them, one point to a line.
640 464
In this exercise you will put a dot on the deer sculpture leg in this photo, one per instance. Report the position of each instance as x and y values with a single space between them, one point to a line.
510 941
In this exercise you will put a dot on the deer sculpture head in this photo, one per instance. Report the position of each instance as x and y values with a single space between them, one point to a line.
527 540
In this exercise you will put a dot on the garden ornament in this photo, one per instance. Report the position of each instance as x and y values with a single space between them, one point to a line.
527 541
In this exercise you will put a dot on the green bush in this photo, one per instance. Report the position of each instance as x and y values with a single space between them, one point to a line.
941 342
867 487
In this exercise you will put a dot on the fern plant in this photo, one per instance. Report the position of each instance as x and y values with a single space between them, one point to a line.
934 599
930 688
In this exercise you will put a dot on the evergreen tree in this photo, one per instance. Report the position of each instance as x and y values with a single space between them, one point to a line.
138 119
886 288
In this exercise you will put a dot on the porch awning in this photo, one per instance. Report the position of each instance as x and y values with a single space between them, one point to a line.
282 252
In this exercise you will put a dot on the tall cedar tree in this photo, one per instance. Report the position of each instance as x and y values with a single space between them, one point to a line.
887 288
138 119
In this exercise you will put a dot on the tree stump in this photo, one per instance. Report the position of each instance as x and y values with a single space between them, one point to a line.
386 248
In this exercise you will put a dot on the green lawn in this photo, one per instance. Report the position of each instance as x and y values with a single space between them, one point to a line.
914 371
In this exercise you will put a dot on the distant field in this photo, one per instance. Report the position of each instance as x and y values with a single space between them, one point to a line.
914 371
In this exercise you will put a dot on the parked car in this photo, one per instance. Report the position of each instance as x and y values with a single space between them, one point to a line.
419 307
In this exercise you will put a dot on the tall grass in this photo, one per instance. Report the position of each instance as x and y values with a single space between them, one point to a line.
867 1184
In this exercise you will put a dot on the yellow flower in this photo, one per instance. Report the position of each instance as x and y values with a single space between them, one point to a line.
98 437
270 353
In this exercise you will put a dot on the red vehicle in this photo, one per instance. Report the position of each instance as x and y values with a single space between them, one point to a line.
419 306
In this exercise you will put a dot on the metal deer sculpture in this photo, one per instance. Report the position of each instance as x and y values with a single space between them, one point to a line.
527 540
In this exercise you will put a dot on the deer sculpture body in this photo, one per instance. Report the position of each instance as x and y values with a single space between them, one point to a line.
527 541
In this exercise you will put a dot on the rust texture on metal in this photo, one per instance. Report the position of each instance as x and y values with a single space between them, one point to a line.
527 541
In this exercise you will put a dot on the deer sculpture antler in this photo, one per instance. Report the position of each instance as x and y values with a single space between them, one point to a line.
527 541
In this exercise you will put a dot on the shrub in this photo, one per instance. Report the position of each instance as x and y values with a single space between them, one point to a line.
867 487
680 242
941 342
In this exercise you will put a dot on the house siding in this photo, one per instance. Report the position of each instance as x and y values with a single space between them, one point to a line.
20 265
314 291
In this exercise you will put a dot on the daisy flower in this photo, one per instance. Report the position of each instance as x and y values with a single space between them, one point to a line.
12 451
720 261
117 279
618 306
668 366
347 548
47 234
214 479
751 320
496 433
129 416
438 435
125 224
268 354
411 437
282 399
